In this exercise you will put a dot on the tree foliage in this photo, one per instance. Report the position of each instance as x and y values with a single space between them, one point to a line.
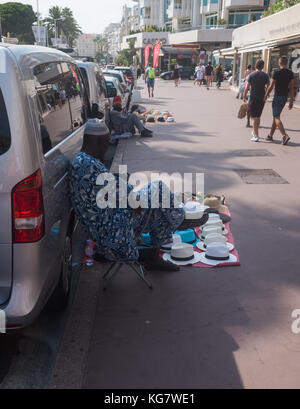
67 25
280 5
125 57
17 19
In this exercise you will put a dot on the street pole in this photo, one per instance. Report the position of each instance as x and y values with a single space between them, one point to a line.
0 30
38 22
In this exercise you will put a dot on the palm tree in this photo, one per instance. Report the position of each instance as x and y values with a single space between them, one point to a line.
65 23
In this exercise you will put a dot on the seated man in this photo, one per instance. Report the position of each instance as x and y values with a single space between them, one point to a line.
122 123
116 230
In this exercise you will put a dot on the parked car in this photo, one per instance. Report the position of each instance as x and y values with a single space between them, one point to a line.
126 71
186 73
43 109
96 86
120 76
121 96
110 67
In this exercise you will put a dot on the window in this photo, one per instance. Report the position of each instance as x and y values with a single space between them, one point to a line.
101 84
5 138
85 79
178 4
62 101
241 18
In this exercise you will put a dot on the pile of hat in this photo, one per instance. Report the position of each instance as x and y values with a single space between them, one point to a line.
212 241
155 116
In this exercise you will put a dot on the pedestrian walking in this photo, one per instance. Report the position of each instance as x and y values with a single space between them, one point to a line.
176 75
243 81
256 82
150 79
138 73
283 81
209 75
219 75
199 72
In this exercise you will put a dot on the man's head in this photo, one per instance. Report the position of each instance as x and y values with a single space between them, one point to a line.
150 65
209 63
117 107
96 139
259 66
249 67
283 61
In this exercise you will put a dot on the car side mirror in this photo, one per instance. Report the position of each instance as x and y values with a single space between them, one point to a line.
111 92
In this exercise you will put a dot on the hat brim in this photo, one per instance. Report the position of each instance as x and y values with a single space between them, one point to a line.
204 260
167 257
224 232
201 247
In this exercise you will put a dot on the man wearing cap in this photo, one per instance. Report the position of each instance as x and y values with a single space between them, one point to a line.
123 123
116 229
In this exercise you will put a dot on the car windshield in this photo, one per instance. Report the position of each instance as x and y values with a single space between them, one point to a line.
128 72
120 78
5 137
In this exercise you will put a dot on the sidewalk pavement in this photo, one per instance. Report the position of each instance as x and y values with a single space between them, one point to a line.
201 328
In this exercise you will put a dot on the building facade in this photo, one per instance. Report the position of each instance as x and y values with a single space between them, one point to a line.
269 39
86 45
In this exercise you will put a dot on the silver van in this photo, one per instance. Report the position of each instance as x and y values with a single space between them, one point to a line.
96 86
43 108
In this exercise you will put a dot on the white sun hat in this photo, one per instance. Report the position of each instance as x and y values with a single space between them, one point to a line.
215 221
193 210
168 247
214 238
217 253
209 230
182 254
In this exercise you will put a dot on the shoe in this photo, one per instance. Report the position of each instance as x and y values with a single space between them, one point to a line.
254 138
285 140
269 138
146 134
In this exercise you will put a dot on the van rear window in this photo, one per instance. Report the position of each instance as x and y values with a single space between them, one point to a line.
5 138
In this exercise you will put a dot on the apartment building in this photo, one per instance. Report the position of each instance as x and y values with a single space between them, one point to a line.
86 45
152 12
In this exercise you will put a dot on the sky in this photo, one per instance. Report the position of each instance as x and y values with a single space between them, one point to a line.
92 15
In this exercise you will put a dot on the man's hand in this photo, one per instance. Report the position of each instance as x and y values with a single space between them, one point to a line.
291 104
266 98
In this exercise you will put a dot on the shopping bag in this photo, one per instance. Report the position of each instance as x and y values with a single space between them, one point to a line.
243 111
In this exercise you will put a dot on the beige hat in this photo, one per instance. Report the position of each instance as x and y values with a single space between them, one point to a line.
214 202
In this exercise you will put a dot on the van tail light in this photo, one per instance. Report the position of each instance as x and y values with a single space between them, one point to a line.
117 100
124 87
28 210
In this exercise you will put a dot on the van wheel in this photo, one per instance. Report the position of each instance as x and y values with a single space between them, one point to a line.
167 77
60 297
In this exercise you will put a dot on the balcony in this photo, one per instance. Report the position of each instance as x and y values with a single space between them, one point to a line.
244 3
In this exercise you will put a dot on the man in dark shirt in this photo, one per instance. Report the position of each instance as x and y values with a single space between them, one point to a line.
257 80
283 80
209 75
